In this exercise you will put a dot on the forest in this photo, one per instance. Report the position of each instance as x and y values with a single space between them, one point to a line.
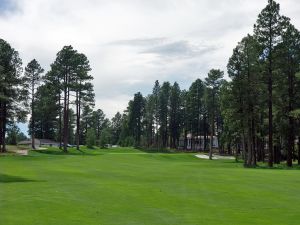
253 108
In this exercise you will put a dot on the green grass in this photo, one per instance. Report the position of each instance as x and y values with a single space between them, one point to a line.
129 187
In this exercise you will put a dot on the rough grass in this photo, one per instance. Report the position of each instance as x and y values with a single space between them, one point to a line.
125 186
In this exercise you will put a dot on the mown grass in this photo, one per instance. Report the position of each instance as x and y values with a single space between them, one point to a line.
128 186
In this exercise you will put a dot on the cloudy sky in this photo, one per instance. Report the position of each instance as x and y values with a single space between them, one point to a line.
132 43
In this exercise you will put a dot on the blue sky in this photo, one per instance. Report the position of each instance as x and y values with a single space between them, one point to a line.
4 4
131 43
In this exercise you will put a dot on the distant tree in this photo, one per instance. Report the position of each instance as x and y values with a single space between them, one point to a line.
105 137
213 82
196 107
46 112
125 132
14 135
231 136
32 79
66 66
135 117
87 121
185 116
116 126
164 102
99 122
84 93
90 138
149 121
155 94
73 68
174 115
54 81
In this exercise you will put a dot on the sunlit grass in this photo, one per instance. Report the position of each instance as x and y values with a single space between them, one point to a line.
129 186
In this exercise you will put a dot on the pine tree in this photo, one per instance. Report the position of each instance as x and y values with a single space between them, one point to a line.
84 93
46 112
72 69
268 31
149 119
174 115
32 79
289 65
13 96
164 100
195 107
213 82
116 125
155 94
243 70
136 113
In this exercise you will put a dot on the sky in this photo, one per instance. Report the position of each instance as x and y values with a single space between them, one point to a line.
132 43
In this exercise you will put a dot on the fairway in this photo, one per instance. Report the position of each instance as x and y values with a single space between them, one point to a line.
129 187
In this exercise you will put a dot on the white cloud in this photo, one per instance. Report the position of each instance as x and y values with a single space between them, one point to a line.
131 43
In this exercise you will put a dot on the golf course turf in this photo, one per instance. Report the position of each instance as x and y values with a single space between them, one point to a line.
129 187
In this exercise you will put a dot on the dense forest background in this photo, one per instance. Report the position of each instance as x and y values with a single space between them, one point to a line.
255 114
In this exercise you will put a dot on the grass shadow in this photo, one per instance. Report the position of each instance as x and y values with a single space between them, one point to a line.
264 166
275 167
60 152
155 150
166 150
14 179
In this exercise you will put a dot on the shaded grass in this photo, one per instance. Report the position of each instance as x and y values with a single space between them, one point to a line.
13 179
108 187
84 151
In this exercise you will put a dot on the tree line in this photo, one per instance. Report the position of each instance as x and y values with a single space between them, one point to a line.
254 114
261 103
60 102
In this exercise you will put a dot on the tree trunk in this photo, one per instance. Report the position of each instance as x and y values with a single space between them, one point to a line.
211 138
205 133
244 148
249 146
4 127
66 114
253 161
236 153
78 104
299 150
185 139
32 118
59 122
254 149
156 127
1 125
270 105
291 135
212 126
